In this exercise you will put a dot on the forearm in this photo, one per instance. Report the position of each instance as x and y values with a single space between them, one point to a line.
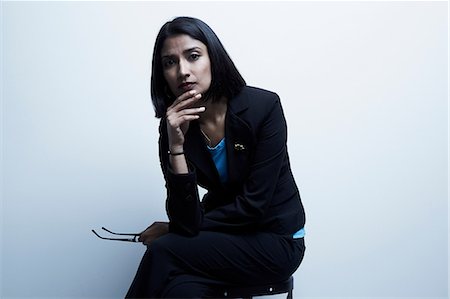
183 204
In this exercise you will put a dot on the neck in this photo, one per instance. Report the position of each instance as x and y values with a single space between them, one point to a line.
215 111
212 121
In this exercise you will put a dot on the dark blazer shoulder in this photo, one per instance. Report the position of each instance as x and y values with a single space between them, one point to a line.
256 99
258 91
254 104
262 96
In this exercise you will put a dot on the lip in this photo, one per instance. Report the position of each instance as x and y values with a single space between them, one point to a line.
185 86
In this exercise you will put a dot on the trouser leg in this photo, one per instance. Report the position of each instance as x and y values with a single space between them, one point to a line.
138 288
257 258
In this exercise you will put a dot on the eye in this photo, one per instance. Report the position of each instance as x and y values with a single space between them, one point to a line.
168 63
194 56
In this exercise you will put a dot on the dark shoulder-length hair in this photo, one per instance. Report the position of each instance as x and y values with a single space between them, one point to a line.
225 78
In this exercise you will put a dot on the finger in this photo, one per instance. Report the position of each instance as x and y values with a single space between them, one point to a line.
183 108
187 118
175 120
178 105
183 105
191 111
185 96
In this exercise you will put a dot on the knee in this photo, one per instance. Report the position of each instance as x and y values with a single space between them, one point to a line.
169 243
159 246
166 246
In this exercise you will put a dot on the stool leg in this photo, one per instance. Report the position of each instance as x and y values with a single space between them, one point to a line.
289 295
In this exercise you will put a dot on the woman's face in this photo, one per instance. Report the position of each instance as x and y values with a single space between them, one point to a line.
186 64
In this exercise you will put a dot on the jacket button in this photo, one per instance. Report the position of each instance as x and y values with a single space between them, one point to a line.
189 198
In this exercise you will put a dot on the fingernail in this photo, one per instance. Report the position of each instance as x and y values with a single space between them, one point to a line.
193 92
201 108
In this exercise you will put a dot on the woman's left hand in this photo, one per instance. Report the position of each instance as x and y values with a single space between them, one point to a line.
154 231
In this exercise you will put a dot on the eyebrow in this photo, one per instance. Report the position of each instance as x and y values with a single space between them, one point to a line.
185 51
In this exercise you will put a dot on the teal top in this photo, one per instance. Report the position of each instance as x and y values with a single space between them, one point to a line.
219 156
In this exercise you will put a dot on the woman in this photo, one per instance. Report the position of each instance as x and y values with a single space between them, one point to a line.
229 138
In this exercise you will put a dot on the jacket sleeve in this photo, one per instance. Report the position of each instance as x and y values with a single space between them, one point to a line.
249 207
182 204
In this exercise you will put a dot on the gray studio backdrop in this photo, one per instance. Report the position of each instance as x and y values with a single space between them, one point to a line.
364 88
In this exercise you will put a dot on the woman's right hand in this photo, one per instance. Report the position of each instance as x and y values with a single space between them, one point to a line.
178 117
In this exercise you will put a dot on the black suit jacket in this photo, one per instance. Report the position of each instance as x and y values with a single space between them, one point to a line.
260 195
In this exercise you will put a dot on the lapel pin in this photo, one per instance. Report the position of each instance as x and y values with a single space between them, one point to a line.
239 147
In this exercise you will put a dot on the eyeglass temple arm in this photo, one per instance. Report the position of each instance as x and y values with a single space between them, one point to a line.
134 239
119 234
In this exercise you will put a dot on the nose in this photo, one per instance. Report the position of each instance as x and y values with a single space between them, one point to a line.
183 69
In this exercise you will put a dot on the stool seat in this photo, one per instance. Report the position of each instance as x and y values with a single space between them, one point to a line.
250 291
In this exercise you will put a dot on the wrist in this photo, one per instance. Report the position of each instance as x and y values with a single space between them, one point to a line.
175 153
176 149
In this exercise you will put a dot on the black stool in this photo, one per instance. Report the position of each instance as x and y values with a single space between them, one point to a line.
286 286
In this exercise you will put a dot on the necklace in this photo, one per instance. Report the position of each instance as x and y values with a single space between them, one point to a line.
207 138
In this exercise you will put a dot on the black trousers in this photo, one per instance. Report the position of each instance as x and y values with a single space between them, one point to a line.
175 266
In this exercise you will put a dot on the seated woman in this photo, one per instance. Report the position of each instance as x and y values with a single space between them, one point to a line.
230 139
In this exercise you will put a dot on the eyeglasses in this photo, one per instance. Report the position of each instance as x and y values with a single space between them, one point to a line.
133 239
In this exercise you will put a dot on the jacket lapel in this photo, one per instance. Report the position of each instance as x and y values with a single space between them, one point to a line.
239 139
